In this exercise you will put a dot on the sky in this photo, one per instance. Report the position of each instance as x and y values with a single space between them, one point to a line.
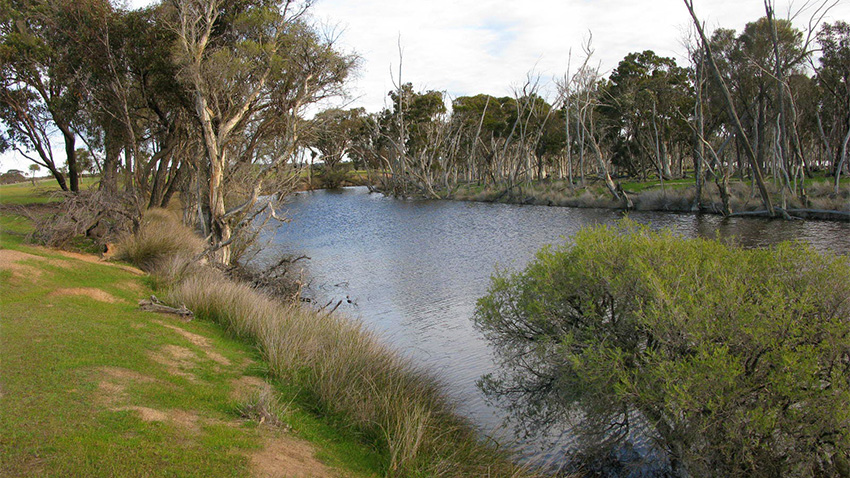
467 47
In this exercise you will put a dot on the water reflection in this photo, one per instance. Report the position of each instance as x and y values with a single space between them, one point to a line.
414 269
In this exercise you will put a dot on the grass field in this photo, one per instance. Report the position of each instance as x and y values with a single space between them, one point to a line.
93 386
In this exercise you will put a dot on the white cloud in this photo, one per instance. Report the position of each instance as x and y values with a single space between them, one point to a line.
469 47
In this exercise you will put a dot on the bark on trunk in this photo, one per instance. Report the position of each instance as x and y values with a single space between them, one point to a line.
71 157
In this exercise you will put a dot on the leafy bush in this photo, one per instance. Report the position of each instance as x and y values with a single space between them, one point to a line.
332 178
735 362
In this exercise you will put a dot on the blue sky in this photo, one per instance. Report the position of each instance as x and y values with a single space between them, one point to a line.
466 47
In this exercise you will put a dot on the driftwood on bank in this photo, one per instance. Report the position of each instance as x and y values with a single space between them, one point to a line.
800 214
155 305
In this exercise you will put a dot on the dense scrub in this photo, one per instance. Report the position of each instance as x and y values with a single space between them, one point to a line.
735 362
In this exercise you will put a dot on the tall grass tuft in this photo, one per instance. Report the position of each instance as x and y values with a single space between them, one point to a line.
161 238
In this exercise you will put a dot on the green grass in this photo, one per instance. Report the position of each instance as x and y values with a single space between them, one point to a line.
640 186
64 410
58 420
44 191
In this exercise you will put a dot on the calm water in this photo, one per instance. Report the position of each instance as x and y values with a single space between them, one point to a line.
414 269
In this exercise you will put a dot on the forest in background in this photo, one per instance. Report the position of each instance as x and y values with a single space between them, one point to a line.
211 102
769 104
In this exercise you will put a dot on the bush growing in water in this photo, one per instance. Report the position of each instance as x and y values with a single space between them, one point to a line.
737 360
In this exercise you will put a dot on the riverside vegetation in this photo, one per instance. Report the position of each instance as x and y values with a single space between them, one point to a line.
390 417
733 362
339 365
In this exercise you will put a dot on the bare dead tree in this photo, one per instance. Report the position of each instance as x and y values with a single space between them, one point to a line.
731 111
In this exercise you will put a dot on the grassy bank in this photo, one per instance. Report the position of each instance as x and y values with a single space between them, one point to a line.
92 386
336 365
673 196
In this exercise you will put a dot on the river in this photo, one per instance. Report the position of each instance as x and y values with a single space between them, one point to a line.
412 270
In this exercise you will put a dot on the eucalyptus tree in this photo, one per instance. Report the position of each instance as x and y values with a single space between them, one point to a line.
251 69
410 132
487 121
334 131
583 90
647 98
833 78
731 109
39 81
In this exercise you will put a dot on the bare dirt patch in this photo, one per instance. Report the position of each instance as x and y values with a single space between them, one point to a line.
125 374
113 394
11 260
146 414
90 292
94 260
217 357
114 382
199 341
183 419
177 360
196 339
285 456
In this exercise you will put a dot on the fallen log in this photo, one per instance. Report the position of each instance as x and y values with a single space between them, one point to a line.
155 305
800 214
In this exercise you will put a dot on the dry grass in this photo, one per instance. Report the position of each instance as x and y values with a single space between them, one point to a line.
351 374
161 241
265 408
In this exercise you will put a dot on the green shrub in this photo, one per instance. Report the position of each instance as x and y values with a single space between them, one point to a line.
736 361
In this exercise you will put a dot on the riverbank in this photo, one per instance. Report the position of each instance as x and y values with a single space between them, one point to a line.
821 202
366 411
94 386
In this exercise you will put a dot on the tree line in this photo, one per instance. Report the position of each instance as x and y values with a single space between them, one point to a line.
203 100
769 103
206 101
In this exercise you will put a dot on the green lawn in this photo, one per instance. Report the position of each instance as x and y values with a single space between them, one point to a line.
93 386
45 190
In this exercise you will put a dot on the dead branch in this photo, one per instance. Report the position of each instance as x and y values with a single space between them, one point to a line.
155 305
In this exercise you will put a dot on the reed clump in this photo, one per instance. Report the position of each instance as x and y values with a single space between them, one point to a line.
337 363
161 237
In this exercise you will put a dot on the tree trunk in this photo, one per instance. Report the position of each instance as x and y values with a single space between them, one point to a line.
109 180
733 115
841 162
71 155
